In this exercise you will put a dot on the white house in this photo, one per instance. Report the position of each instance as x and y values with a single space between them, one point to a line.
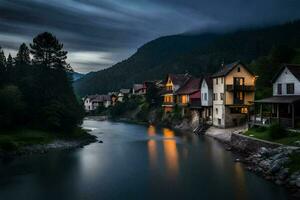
206 98
284 106
92 102
287 81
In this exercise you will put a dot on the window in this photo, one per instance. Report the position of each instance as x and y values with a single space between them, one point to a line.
217 110
222 80
279 88
239 69
205 96
215 96
221 96
290 88
219 121
217 80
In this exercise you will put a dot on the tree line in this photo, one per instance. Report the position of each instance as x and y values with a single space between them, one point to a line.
35 88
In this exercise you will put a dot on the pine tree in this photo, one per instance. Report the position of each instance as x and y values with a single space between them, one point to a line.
10 68
48 51
23 57
2 67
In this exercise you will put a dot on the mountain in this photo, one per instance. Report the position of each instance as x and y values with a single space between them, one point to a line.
197 54
76 75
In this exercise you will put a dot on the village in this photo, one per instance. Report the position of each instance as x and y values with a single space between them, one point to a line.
225 99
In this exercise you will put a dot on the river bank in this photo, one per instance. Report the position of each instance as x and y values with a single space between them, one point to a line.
272 161
27 142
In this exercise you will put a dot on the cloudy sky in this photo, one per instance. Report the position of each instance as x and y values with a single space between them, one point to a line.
99 33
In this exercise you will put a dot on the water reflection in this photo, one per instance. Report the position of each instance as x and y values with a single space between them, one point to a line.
152 150
171 153
151 130
239 181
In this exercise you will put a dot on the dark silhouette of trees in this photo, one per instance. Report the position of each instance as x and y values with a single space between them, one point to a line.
38 93
48 51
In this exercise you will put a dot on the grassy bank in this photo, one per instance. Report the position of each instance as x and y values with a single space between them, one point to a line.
285 137
12 140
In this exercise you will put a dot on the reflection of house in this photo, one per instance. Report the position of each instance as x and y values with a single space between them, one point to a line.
206 98
172 84
189 95
92 102
139 89
284 105
233 92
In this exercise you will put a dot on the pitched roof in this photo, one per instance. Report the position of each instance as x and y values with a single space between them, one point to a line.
179 79
137 87
294 69
228 68
98 98
208 81
125 91
280 99
191 86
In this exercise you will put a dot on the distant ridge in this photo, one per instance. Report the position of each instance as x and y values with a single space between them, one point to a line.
197 54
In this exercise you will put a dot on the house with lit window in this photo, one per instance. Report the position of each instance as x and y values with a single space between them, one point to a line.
233 94
207 99
172 84
189 95
284 106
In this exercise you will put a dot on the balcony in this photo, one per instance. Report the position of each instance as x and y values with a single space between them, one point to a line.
245 88
169 104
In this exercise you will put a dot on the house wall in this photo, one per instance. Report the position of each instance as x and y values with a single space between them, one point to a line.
249 81
208 92
286 77
218 104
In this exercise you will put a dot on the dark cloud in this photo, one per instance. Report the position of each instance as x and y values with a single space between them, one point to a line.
113 29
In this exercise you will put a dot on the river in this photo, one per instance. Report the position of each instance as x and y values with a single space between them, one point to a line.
135 162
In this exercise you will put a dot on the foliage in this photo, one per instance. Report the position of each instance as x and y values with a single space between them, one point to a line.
11 106
38 94
143 114
276 131
199 54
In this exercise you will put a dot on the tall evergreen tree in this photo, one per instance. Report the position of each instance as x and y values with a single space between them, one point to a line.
23 57
2 67
10 68
48 51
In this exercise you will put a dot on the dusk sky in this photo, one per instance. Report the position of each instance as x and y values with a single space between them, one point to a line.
99 33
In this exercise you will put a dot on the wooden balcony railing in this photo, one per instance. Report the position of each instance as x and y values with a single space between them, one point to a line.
245 88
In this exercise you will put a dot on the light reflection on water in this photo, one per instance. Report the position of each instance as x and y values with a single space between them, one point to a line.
135 162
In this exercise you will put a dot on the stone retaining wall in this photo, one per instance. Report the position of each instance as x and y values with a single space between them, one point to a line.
249 144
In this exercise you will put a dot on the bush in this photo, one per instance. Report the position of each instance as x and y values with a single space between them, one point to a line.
276 131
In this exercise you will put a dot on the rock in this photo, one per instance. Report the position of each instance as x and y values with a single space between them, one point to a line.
278 182
283 174
297 142
100 141
298 182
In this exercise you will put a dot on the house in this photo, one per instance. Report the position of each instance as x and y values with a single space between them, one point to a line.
172 83
233 93
92 102
207 99
124 93
284 106
189 95
139 89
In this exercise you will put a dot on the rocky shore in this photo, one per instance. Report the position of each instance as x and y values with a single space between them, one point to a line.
273 165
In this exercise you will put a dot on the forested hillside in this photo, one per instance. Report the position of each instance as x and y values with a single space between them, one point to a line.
199 54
